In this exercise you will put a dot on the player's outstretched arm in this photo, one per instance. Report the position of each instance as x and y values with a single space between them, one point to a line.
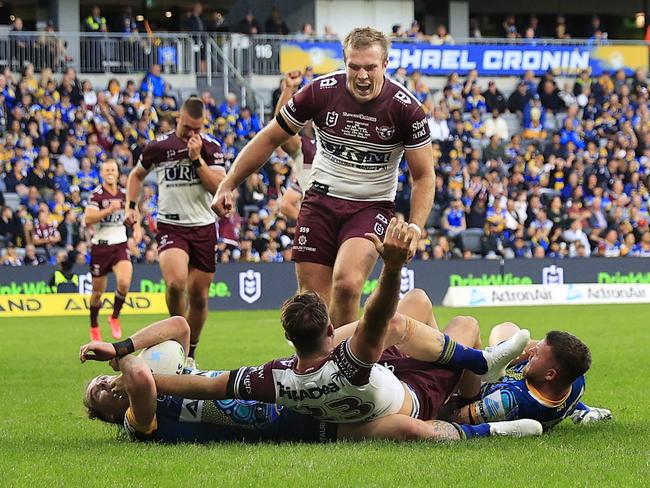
172 328
420 163
250 159
192 386
367 343
291 84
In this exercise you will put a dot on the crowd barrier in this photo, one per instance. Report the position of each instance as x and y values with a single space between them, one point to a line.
262 286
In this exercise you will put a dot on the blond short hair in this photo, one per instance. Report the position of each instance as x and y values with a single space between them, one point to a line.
365 37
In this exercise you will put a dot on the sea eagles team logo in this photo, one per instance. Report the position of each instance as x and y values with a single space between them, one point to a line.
384 132
407 281
250 285
331 119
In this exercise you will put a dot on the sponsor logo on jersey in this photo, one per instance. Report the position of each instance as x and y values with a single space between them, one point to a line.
170 154
384 132
291 105
250 286
331 119
312 393
402 97
350 154
328 82
180 173
419 128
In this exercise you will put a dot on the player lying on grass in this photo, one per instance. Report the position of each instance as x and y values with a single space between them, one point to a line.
353 381
132 401
545 383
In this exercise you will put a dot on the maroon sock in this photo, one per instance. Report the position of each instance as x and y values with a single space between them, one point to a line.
94 312
117 306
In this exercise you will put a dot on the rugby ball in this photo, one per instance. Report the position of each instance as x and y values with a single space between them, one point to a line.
165 358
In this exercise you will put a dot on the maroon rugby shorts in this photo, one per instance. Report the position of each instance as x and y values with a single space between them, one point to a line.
198 243
326 222
432 383
104 257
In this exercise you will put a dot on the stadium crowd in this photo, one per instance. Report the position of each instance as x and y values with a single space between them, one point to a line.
553 169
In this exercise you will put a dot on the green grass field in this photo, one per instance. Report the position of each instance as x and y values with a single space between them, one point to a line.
45 440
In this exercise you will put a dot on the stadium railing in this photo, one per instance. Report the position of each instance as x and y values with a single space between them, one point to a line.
98 52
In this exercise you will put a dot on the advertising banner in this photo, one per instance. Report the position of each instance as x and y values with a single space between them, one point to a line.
521 295
258 286
66 304
487 59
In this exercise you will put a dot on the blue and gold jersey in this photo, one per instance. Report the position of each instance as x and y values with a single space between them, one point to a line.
203 421
513 398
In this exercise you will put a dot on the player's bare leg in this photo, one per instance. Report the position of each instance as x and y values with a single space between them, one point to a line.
198 285
99 287
400 428
174 268
315 277
354 262
123 272
417 305
504 331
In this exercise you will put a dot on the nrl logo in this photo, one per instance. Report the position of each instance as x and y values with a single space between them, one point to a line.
331 119
384 132
250 285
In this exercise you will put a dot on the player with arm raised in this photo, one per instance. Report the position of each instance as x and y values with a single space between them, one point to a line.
364 123
132 400
343 382
109 252
302 150
189 167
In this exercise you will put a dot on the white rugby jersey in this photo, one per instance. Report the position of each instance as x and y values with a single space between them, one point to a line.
182 198
341 389
359 146
110 230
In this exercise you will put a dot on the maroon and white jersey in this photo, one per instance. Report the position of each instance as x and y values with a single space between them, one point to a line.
359 146
341 389
44 230
182 198
110 230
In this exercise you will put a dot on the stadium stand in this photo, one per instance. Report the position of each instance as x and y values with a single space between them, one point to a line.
552 168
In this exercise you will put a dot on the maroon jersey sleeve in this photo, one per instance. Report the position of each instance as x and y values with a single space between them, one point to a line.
211 151
310 100
95 199
150 155
416 127
252 383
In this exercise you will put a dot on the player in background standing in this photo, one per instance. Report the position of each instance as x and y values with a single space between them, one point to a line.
300 148
109 252
364 123
189 168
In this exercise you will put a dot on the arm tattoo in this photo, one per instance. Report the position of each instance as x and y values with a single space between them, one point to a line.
443 431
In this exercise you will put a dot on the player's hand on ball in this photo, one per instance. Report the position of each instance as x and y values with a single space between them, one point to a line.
222 201
131 217
96 351
394 250
194 147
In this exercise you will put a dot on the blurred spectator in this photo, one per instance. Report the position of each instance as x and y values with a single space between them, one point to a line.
249 24
275 24
153 83
494 99
441 36
194 21
95 22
